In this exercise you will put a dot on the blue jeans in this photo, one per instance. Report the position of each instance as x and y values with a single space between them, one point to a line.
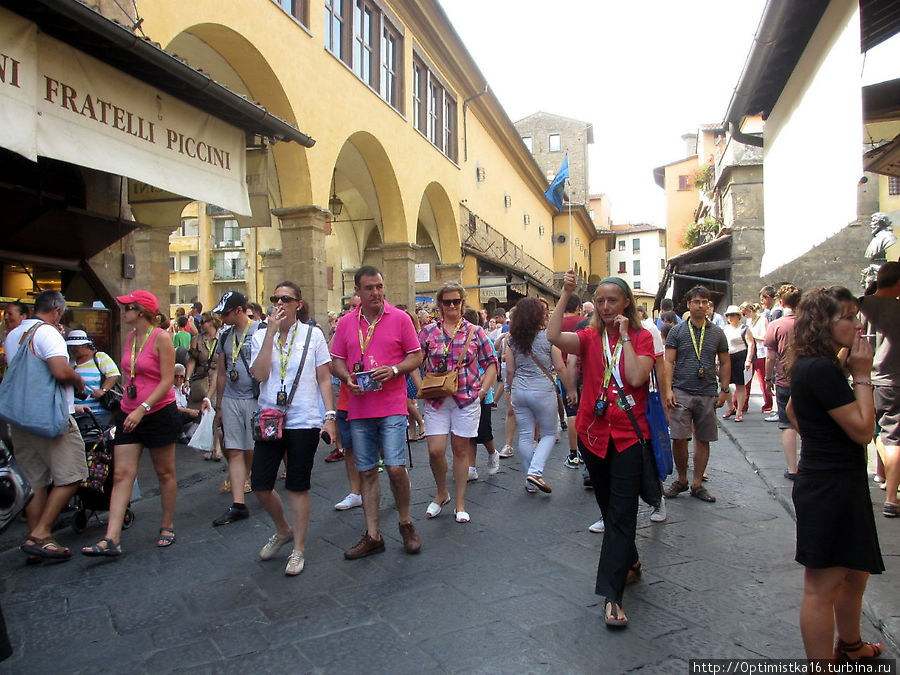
535 405
374 436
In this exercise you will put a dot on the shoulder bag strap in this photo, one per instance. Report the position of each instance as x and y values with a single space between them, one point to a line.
300 369
629 411
243 358
465 350
541 366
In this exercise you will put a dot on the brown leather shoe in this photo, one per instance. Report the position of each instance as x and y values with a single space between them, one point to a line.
411 541
366 546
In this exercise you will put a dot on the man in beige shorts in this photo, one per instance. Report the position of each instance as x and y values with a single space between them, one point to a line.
59 460
692 348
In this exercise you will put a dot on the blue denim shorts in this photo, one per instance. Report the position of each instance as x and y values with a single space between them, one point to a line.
377 436
343 425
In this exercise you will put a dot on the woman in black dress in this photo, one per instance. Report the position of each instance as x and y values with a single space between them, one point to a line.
836 538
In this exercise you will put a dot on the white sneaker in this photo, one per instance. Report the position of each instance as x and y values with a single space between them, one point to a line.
493 463
351 501
295 563
659 514
473 474
597 527
276 541
771 418
506 451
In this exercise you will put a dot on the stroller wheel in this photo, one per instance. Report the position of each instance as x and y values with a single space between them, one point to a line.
128 521
80 521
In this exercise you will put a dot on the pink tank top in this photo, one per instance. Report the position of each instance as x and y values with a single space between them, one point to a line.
146 375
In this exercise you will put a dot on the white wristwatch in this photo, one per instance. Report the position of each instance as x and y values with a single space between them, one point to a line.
146 406
396 370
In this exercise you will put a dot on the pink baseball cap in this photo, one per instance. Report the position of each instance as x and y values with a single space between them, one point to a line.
145 299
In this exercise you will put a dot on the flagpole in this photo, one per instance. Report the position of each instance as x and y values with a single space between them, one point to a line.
571 239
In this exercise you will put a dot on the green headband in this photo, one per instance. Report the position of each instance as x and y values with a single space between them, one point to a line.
618 282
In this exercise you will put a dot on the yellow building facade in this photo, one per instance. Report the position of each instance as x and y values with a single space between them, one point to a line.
431 178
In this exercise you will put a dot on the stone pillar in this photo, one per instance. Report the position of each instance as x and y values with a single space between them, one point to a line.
399 273
151 253
303 252
272 267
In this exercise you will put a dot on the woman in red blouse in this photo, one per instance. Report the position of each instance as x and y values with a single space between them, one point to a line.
616 353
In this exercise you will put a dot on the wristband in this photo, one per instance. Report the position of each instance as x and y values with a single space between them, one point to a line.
146 406
330 412
625 339
867 384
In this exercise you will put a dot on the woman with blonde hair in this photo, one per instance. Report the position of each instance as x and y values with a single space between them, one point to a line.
837 541
148 418
448 344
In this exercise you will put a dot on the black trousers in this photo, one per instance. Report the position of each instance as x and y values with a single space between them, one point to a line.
617 486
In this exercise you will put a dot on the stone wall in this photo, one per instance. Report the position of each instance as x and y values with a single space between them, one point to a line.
573 140
836 261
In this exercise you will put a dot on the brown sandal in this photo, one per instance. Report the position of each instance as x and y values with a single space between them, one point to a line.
843 650
633 574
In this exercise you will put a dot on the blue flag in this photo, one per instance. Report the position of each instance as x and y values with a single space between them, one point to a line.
554 193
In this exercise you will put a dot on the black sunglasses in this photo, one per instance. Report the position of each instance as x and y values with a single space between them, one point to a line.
284 298
451 301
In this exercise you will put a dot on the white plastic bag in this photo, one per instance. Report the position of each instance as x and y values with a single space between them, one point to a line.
204 439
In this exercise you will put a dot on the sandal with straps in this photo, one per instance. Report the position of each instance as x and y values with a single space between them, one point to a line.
615 617
843 650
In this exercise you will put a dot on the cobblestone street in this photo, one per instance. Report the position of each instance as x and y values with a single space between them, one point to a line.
510 592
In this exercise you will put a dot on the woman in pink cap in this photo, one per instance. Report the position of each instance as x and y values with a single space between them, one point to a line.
148 418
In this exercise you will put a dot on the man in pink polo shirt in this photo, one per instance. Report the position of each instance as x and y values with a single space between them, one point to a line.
374 346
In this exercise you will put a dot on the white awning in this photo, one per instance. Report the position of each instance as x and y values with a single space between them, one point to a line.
58 102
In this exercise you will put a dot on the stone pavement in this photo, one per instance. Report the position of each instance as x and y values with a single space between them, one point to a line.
760 443
510 592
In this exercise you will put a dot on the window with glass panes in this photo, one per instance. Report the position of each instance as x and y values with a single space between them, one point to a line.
366 36
435 109
296 8
636 266
334 27
363 42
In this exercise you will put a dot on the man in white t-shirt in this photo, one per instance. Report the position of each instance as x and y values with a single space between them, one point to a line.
60 460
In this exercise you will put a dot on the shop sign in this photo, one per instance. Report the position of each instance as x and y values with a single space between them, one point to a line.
496 288
58 102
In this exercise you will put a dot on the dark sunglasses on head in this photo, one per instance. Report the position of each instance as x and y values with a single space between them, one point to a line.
284 298
451 301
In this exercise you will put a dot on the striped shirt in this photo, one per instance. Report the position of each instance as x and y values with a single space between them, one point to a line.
93 378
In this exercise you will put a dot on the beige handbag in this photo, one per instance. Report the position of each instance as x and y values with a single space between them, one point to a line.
439 385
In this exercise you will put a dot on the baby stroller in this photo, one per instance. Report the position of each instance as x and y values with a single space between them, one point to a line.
93 494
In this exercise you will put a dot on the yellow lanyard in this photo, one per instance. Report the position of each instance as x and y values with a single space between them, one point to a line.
136 354
449 344
697 350
236 346
285 356
364 344
612 360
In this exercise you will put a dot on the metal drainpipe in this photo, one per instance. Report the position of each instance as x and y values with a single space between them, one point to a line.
465 128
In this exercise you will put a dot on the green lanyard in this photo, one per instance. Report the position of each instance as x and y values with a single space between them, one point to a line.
236 346
449 344
612 359
136 354
285 356
698 350
364 344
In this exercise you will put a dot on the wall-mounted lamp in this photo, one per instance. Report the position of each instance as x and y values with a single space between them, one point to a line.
507 200
540 230
480 174
335 205
526 220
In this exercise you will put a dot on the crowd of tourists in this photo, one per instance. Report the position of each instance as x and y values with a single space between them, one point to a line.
281 385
